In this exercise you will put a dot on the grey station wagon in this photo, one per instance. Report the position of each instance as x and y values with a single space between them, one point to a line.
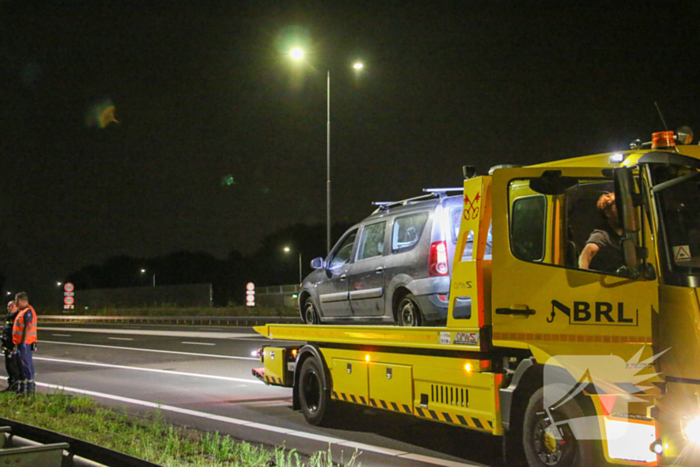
393 267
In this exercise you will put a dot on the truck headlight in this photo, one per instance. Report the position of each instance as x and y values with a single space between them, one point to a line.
691 429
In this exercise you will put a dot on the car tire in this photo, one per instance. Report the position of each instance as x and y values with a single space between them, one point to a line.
408 312
542 448
315 401
310 313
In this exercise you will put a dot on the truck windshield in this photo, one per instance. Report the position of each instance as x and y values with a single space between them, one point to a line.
677 190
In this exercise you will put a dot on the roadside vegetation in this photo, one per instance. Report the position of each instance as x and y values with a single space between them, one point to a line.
171 310
151 437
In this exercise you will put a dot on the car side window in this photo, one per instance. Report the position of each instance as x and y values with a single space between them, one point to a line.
372 241
343 252
407 231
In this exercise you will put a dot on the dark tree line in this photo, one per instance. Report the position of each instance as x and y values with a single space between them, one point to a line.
268 265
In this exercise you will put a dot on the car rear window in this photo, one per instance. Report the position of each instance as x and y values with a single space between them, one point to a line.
455 220
407 231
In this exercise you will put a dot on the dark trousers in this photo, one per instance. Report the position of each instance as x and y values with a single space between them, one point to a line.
26 367
12 368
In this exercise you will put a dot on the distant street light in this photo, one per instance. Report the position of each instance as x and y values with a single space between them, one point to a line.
143 271
287 250
58 284
298 54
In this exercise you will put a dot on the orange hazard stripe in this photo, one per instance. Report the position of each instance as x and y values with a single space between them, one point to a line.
578 338
476 423
378 403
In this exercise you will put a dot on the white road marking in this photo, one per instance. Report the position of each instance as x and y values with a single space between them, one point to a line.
197 343
61 335
120 338
149 370
271 428
148 332
174 352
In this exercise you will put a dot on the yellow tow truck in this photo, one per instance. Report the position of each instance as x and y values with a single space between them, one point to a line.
571 366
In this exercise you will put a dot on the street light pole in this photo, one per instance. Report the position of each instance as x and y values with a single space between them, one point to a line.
328 166
300 278
287 250
298 54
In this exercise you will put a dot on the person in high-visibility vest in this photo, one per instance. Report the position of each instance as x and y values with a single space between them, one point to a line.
24 338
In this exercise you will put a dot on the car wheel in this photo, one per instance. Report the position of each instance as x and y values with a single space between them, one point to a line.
315 401
408 313
548 436
310 313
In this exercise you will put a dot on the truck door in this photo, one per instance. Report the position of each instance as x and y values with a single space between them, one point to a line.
541 299
366 275
333 291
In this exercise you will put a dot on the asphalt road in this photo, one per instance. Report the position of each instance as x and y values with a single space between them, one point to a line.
201 377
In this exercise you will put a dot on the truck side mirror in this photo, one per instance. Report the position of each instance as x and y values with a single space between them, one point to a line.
625 195
318 263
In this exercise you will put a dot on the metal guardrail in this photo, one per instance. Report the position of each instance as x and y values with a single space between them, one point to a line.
190 320
78 453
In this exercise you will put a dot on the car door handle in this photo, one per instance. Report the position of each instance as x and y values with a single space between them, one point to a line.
380 270
343 277
515 311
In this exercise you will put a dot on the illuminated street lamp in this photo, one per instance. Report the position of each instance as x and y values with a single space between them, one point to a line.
298 54
287 250
143 271
58 284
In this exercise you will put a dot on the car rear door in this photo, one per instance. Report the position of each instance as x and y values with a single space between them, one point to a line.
366 276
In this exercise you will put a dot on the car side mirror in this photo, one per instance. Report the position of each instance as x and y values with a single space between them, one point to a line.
318 263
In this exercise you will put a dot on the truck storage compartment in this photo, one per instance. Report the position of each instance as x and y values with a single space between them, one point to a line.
349 380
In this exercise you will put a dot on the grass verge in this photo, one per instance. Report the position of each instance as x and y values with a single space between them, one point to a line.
151 437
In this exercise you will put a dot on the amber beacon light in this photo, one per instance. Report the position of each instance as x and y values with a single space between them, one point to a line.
662 139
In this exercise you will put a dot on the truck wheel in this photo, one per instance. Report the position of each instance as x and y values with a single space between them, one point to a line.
408 313
310 313
551 441
316 403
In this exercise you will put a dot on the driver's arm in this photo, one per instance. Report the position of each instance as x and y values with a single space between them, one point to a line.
589 251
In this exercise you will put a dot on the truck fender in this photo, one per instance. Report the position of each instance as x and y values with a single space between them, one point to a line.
309 351
505 395
528 377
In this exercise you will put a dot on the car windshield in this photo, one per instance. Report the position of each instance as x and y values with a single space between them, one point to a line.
678 196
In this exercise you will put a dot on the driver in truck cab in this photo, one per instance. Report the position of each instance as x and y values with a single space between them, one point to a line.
602 251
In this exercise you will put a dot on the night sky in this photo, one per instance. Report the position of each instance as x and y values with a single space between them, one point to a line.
142 128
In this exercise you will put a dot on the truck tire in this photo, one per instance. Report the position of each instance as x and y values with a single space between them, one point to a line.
542 448
315 401
408 312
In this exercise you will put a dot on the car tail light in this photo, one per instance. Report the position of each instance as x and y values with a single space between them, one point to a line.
437 266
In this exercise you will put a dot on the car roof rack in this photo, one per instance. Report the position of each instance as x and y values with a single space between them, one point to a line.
431 193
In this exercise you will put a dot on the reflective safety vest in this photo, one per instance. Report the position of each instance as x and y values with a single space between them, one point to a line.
18 328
